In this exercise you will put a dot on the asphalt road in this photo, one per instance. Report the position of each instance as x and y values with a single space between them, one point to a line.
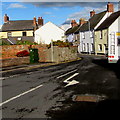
48 92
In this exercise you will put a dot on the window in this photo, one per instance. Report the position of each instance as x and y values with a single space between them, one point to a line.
83 35
9 34
92 47
100 47
101 35
91 34
84 48
87 47
24 33
33 34
118 40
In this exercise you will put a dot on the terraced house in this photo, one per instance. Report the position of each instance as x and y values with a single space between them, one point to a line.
87 30
19 30
73 33
107 35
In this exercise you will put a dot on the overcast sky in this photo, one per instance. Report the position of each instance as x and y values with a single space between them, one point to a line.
56 11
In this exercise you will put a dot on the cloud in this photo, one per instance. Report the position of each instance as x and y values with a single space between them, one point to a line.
85 12
16 5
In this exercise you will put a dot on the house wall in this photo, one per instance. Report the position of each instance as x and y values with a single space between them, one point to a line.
3 34
86 42
30 33
48 32
16 34
100 41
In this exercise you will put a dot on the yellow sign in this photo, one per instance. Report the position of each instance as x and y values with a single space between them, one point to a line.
118 34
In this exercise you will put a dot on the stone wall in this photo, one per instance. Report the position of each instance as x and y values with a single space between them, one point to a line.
54 54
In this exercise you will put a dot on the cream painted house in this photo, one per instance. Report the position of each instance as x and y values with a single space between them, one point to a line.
100 41
48 32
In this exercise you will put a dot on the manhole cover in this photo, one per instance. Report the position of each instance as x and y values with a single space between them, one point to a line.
88 98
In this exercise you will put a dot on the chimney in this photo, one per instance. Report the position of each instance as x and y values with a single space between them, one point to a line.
34 21
82 21
6 18
110 7
92 13
40 21
73 23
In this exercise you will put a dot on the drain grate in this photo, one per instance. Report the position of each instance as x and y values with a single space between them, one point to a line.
88 98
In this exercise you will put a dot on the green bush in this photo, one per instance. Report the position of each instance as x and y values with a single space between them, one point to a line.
2 42
25 43
60 44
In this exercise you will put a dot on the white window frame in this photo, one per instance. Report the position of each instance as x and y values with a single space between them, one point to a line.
100 47
83 35
91 34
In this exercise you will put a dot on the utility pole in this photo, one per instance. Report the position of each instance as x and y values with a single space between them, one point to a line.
90 37
52 58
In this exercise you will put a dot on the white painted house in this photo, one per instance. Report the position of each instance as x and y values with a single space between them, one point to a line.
48 32
86 31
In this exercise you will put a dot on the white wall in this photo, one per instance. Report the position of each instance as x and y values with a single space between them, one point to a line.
85 43
49 32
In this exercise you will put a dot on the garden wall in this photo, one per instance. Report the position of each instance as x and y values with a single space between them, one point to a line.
55 54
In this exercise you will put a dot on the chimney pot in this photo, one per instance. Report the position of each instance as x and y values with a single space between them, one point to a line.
34 21
40 21
73 23
92 13
110 7
82 21
6 18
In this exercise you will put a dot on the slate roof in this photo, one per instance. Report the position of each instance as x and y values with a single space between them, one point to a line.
72 30
85 27
109 21
18 25
93 21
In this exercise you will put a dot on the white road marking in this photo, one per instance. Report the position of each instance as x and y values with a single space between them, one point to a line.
66 73
73 82
66 81
13 98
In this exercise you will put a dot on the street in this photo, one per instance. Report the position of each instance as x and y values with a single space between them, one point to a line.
48 92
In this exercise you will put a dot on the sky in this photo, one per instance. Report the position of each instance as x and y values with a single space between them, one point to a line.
60 12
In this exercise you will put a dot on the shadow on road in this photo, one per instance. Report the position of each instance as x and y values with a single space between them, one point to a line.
112 66
88 110
106 109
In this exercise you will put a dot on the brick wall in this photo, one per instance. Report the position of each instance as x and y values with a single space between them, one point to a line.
9 51
57 54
